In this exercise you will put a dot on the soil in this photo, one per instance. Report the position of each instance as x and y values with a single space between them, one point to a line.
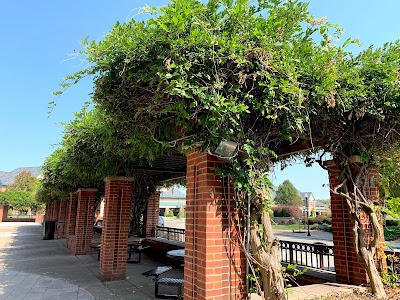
392 294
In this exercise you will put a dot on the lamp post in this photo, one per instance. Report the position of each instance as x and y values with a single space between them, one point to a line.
308 224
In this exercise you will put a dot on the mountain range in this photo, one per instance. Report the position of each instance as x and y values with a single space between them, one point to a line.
7 178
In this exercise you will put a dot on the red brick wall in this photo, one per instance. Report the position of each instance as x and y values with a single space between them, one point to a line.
49 211
56 211
152 211
71 222
84 220
62 218
3 212
348 268
214 266
114 237
39 217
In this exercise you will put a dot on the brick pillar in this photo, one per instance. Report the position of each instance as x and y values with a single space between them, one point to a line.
114 237
62 218
214 265
46 212
152 212
84 220
348 268
71 221
3 212
49 211
39 216
56 211
52 209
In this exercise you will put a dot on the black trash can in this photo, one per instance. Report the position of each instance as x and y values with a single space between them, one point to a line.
49 230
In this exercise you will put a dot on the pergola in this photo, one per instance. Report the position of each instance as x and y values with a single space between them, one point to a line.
215 265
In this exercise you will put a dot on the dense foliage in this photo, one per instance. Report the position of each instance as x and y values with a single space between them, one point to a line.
20 195
287 194
265 74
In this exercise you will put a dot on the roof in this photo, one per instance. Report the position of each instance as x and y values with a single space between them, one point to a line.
172 193
303 195
319 203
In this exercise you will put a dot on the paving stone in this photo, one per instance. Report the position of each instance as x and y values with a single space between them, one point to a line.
32 268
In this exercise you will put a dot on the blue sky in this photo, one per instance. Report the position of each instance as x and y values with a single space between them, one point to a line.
37 36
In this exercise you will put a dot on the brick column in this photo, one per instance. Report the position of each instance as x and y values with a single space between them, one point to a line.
152 212
84 220
71 221
39 216
214 265
49 211
62 218
52 209
348 268
3 212
56 211
114 237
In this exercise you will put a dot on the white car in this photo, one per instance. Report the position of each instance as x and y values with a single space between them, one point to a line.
160 221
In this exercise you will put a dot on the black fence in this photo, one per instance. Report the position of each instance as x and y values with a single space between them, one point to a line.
393 260
172 234
317 255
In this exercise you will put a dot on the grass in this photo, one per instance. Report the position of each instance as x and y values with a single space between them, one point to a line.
21 217
288 227
391 232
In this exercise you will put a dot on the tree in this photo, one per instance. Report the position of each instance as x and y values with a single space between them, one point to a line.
21 193
287 194
24 181
265 74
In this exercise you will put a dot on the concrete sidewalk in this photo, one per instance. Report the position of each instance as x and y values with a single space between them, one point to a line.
33 268
301 237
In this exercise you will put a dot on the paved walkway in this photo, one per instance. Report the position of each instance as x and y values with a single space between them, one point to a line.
301 237
32 268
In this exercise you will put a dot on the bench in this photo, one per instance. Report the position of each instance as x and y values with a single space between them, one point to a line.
137 248
169 282
156 272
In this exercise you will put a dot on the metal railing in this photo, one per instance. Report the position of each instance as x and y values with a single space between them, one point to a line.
317 255
169 233
393 260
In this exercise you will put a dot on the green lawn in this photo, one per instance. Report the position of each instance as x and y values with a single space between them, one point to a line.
288 227
21 217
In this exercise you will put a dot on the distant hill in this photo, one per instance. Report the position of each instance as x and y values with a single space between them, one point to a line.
7 178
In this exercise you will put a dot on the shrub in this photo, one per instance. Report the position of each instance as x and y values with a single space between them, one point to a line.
393 222
287 211
168 213
182 213
320 220
327 228
284 222
277 211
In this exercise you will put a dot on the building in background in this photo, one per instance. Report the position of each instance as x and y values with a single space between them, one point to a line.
309 203
172 198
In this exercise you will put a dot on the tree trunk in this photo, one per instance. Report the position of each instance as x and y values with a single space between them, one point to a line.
266 253
375 279
355 190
